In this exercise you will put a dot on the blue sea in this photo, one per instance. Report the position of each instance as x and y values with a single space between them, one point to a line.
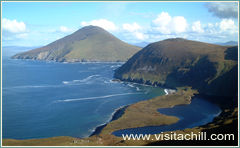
46 99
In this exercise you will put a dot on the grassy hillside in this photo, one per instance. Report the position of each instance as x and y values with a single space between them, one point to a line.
90 43
212 69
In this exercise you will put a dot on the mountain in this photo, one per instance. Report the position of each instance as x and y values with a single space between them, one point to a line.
230 43
89 43
211 69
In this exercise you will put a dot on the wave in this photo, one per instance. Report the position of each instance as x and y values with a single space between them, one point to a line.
115 111
166 92
64 83
93 98
115 66
110 82
130 85
76 82
134 83
169 91
111 118
138 89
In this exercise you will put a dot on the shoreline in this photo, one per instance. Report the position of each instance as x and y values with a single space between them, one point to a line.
193 98
115 115
169 91
70 62
102 134
120 111
144 113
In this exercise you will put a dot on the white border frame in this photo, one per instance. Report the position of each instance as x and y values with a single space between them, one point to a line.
4 1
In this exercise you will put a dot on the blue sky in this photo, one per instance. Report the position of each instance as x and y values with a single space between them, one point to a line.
40 23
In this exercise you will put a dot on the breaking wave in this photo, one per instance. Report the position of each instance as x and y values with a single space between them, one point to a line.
110 82
169 91
138 89
76 82
99 97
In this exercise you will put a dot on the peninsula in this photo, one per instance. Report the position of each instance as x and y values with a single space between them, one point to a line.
88 44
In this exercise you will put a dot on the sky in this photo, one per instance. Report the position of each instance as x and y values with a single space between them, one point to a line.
40 23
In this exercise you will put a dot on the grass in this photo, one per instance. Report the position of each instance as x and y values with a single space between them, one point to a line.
90 43
145 113
180 62
99 48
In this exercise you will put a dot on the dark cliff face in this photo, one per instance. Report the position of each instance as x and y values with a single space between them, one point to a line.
212 69
89 43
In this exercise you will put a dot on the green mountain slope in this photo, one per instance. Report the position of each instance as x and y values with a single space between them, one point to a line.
89 43
212 69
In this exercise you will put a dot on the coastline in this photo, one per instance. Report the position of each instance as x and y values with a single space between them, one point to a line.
169 91
71 62
119 112
102 135
144 113
115 115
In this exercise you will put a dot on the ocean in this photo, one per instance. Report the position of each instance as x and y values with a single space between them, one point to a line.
44 99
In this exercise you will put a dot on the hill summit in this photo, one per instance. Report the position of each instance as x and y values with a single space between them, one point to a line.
90 43
177 62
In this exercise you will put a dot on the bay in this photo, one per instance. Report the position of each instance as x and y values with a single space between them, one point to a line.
45 99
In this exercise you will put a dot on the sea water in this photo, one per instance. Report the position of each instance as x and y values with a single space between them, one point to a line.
198 112
45 99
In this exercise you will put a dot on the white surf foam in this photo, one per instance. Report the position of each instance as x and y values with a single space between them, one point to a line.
130 85
138 89
75 82
109 118
65 82
93 98
115 66
166 92
110 81
169 91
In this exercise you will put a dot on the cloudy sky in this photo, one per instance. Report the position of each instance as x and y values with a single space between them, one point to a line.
40 23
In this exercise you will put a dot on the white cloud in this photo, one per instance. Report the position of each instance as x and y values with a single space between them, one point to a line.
140 35
103 23
197 27
166 24
13 26
222 31
179 24
228 25
134 30
161 23
223 9
131 27
65 29
13 30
